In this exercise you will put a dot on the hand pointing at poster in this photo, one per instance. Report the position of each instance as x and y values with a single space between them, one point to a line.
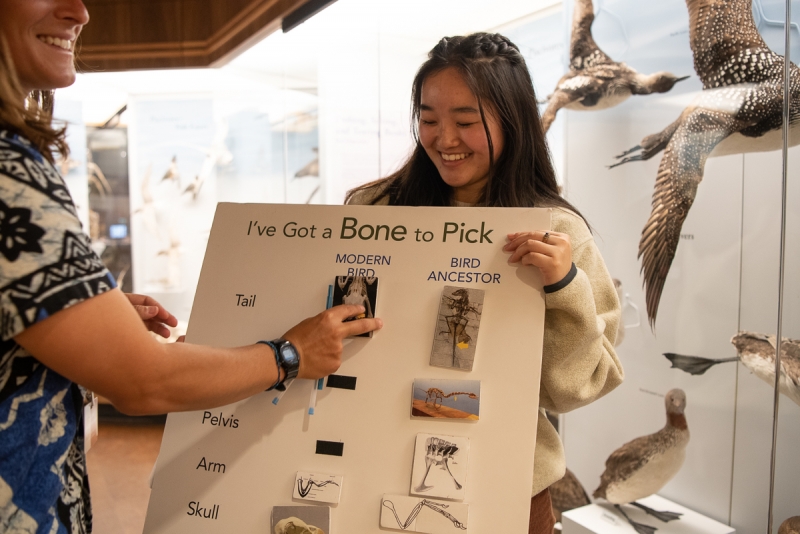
319 339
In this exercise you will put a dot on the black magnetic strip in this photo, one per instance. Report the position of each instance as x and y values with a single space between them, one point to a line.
331 448
342 382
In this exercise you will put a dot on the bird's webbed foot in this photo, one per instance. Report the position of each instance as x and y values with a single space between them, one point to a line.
641 528
663 516
625 157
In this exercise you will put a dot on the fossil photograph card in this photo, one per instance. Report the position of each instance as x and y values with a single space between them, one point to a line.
440 466
415 514
457 326
317 487
294 519
446 399
357 290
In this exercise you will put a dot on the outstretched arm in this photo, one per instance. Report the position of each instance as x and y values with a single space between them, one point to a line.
102 344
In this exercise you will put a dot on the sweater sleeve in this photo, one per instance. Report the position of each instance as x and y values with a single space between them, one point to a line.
579 363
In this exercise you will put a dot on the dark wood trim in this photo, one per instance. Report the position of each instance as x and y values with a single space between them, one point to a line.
256 20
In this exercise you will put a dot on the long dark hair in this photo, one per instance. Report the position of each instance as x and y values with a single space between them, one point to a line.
523 174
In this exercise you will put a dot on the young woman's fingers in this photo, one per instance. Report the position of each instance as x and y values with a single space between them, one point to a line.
530 245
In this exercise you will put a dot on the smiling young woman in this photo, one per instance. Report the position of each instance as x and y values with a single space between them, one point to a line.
479 142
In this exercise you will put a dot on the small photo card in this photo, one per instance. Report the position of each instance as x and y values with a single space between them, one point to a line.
446 399
292 519
317 487
440 466
357 290
457 326
417 514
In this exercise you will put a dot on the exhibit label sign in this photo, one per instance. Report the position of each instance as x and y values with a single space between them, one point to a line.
377 454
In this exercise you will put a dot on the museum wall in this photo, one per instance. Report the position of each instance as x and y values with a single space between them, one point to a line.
305 116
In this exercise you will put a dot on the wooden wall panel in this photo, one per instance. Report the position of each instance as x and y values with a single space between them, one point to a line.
153 34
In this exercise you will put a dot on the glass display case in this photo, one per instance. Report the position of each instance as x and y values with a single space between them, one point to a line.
303 117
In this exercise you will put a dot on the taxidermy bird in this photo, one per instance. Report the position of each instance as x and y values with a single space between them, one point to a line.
739 110
172 173
194 186
567 494
311 169
643 466
594 80
757 353
148 207
790 526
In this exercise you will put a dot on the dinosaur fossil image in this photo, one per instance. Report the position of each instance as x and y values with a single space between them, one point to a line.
446 399
435 394
440 466
411 523
457 327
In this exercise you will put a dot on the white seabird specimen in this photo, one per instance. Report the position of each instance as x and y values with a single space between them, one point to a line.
172 174
643 466
173 254
311 169
739 110
148 208
594 80
194 186
757 353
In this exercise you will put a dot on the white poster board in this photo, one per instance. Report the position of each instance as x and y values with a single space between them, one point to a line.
255 448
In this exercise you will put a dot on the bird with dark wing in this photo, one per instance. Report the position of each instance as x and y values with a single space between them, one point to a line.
644 465
594 80
739 110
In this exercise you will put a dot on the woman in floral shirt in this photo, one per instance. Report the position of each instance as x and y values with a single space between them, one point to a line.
62 320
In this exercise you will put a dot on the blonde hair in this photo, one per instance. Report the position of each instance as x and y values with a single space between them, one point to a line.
30 116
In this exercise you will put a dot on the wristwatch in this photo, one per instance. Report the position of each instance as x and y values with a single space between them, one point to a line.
287 357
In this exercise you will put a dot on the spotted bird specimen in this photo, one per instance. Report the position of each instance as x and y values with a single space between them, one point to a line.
739 110
594 80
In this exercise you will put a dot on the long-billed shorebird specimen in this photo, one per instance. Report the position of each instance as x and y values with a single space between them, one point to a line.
439 452
757 353
643 466
594 80
739 110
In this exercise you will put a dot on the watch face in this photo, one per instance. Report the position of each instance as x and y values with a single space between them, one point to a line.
289 354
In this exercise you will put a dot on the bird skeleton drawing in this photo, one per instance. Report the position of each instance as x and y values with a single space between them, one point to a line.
739 110
439 508
594 80
757 353
460 310
644 465
304 487
438 453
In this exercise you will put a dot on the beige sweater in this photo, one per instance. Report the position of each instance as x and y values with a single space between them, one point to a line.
579 364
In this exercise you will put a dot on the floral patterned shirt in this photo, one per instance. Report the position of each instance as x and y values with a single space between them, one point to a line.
46 265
